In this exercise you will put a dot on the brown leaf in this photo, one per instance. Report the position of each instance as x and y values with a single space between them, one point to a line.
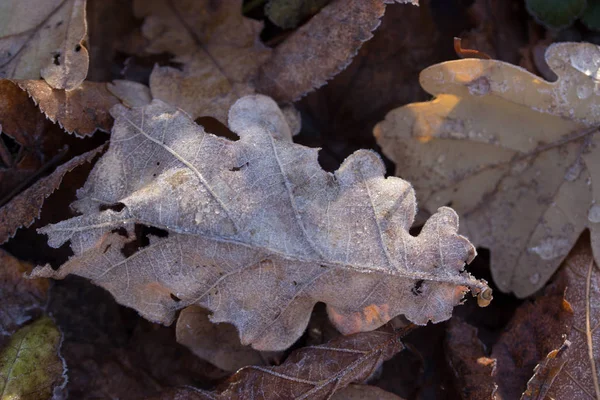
29 142
44 38
218 344
537 328
313 372
255 231
494 144
288 14
81 111
221 53
23 209
22 299
474 372
579 376
320 49
218 48
545 373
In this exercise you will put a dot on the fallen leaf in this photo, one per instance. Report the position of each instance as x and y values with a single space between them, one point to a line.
255 231
81 111
30 364
536 330
218 344
320 49
23 209
312 372
218 47
473 372
494 143
579 377
44 39
131 94
545 373
221 54
288 14
22 298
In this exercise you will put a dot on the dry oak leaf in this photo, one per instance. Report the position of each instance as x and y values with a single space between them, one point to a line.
517 156
44 38
223 59
579 377
23 209
312 372
256 231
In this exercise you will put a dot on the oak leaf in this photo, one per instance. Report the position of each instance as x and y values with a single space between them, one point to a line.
312 372
517 156
255 231
44 39
223 58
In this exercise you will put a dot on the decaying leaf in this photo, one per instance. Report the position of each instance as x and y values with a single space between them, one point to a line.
494 143
363 392
580 375
44 39
255 231
312 372
81 111
22 298
23 209
217 343
30 364
473 372
221 53
537 329
545 373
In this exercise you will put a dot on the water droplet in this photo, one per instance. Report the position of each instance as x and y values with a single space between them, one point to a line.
574 171
551 248
583 92
594 214
535 278
217 212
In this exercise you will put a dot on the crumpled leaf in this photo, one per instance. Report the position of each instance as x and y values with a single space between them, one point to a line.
21 298
494 143
81 111
25 208
473 372
218 344
312 372
30 364
256 231
287 14
221 53
579 377
44 39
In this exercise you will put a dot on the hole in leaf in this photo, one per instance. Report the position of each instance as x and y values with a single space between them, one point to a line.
121 232
214 126
142 233
235 169
56 59
417 288
78 48
175 298
118 207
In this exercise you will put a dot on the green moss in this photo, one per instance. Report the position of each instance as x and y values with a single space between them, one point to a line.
30 366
